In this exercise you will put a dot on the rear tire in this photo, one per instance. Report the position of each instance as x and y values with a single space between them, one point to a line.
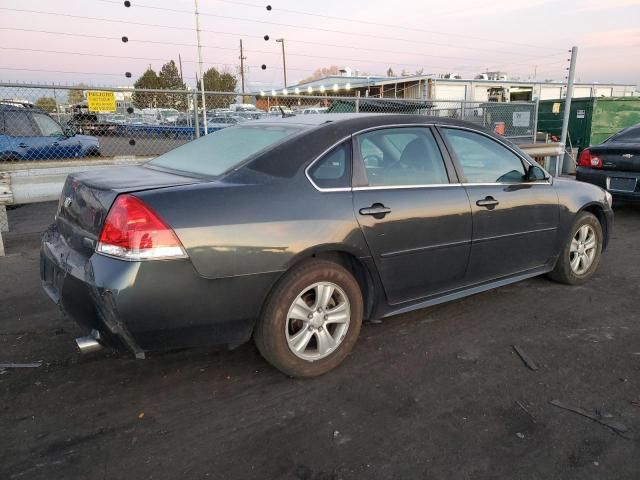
581 252
311 320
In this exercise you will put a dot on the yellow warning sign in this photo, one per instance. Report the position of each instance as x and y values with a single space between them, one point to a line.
101 101
556 108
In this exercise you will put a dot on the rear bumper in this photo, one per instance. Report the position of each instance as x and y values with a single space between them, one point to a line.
602 178
153 305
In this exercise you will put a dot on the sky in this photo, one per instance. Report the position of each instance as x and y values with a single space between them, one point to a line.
524 38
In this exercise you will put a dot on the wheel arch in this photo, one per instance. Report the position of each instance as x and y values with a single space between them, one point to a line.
350 260
598 211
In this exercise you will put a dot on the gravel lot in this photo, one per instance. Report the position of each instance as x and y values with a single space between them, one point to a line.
428 395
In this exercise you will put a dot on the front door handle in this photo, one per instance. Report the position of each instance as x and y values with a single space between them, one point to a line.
488 202
23 145
377 210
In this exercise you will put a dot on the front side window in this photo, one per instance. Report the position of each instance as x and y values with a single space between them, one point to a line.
224 149
47 125
18 124
484 160
334 169
402 156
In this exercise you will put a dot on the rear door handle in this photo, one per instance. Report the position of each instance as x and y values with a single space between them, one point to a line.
377 210
488 202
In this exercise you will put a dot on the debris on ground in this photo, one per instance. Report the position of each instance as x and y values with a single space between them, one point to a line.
528 361
520 435
526 410
614 425
20 365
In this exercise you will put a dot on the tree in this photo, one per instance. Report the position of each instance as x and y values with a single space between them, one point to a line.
322 72
76 95
169 79
149 79
48 104
215 81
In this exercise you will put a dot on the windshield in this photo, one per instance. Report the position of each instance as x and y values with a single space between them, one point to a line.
214 154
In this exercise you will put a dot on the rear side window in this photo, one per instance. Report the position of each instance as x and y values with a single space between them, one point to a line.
334 169
224 149
402 157
484 160
18 124
630 136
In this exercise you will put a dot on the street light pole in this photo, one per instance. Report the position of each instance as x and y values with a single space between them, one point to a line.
204 105
284 61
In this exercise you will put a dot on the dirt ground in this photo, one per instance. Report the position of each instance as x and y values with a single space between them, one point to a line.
428 395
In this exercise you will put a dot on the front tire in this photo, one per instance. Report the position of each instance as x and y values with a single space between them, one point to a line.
581 253
311 320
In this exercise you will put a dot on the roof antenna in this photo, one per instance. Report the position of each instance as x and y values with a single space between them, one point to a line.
284 114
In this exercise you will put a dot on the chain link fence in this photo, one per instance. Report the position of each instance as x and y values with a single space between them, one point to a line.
51 122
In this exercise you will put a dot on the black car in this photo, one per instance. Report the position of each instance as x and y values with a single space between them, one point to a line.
292 231
614 164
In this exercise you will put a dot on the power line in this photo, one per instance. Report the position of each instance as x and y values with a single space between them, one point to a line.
134 40
378 24
359 34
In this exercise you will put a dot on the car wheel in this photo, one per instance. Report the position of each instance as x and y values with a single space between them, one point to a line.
311 320
581 253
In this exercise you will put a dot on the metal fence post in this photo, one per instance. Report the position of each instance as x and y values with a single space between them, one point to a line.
4 227
462 110
567 110
358 101
196 125
535 120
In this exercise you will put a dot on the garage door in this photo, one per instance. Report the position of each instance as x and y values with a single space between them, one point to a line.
450 92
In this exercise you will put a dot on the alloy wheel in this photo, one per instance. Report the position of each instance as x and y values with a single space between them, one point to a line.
317 321
583 249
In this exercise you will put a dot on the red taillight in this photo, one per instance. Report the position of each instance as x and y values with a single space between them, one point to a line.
588 160
134 232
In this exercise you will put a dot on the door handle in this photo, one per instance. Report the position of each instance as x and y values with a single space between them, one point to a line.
56 144
377 210
488 202
23 145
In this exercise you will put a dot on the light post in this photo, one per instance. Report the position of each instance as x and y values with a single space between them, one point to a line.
284 61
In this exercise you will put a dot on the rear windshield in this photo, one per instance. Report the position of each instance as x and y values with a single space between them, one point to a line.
220 151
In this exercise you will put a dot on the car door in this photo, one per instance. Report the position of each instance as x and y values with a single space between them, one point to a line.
514 220
413 213
53 142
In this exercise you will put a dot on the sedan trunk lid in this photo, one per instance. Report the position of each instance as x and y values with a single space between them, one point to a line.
618 156
87 197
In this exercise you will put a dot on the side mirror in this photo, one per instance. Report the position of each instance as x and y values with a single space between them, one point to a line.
534 173
69 132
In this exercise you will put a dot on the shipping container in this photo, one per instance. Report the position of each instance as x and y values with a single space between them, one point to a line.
592 119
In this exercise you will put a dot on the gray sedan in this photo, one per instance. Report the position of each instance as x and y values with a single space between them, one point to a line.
293 231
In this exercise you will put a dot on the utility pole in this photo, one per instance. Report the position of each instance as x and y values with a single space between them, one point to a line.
284 61
180 63
204 103
242 59
567 109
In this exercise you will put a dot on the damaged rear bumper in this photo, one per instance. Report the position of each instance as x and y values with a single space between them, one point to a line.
150 305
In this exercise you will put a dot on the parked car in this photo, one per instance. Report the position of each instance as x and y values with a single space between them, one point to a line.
313 110
224 121
292 231
91 123
28 133
614 164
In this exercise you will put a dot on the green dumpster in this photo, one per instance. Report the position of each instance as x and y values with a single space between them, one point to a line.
592 119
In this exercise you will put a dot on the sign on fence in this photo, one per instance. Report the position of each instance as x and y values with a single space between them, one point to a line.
521 119
101 101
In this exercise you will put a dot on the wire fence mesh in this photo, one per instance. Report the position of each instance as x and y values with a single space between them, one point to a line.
50 122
